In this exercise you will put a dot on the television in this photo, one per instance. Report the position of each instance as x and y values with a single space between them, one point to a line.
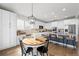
40 27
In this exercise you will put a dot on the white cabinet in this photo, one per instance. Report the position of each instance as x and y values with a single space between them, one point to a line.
60 24
13 29
8 29
0 32
5 29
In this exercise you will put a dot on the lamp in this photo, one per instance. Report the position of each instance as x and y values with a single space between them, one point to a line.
32 17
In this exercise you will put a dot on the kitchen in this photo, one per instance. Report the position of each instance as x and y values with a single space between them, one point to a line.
41 21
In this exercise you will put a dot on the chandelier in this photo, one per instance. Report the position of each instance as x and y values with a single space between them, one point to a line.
32 18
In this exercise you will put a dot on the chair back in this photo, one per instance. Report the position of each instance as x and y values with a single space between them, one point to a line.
74 38
74 41
22 46
61 37
47 43
53 36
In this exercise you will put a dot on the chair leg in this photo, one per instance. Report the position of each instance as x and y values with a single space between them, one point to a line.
22 54
29 53
32 53
43 54
47 53
37 53
63 43
66 43
25 54
40 53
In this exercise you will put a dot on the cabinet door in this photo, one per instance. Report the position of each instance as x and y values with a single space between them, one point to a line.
12 29
5 29
72 28
0 31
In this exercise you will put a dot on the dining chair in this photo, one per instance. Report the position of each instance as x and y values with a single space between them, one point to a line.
72 42
53 37
24 50
60 39
43 49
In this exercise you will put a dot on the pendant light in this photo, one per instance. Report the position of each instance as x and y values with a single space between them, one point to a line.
32 17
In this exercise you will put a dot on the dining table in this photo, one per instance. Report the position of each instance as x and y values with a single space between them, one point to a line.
34 43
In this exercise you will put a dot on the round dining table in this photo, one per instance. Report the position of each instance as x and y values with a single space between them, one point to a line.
34 43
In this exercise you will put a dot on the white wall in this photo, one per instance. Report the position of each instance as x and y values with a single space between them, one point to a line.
48 25
28 26
61 24
70 21
20 24
25 24
58 24
37 23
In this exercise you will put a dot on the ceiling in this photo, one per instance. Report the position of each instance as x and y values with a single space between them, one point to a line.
43 11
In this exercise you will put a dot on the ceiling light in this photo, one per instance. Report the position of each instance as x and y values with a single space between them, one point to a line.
55 16
64 9
32 20
32 17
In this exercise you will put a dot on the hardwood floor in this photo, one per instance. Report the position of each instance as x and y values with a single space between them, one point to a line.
54 50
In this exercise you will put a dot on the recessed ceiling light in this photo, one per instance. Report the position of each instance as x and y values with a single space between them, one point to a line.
55 16
64 9
32 20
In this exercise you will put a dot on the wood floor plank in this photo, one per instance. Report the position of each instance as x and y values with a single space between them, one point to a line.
54 50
